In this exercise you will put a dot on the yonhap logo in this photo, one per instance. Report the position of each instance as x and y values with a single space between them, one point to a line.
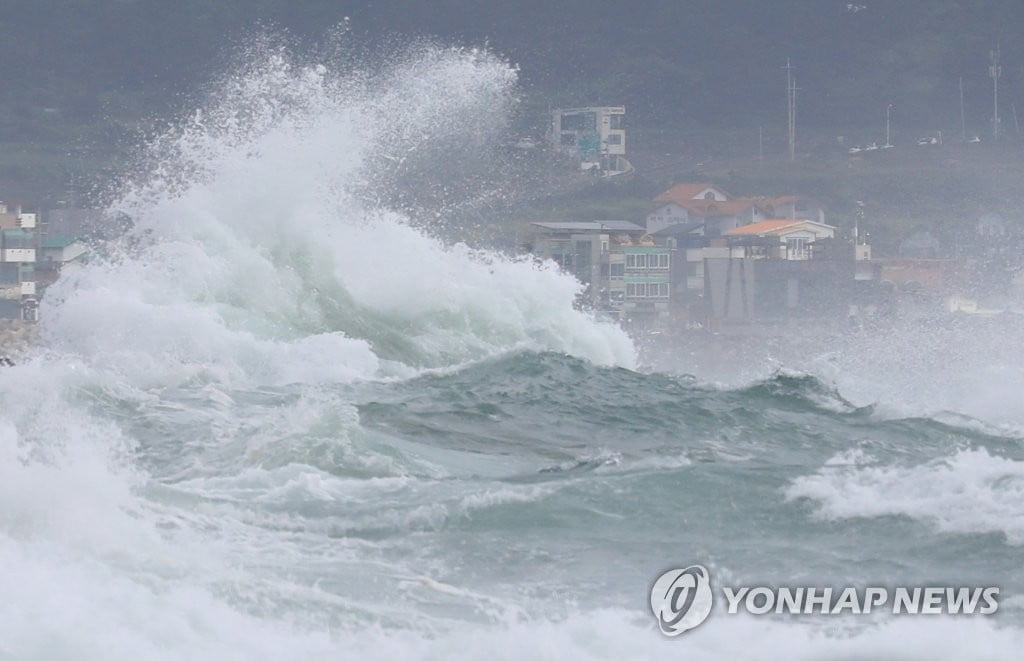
681 599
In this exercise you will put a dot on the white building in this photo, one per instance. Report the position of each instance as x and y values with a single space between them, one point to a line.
625 272
595 135
782 239
683 203
17 271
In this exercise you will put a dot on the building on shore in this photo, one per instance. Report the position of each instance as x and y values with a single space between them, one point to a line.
626 274
594 136
18 251
755 279
779 238
31 256
702 221
707 259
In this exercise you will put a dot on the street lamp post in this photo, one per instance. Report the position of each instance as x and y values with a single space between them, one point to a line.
994 71
888 109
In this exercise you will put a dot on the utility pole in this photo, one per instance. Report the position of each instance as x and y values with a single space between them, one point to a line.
963 122
888 109
994 71
791 101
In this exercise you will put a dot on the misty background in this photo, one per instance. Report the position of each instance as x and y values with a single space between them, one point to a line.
85 80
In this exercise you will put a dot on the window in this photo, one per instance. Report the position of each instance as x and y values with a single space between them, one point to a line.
8 273
663 289
616 121
630 261
617 270
659 261
796 248
614 139
18 239
630 289
641 261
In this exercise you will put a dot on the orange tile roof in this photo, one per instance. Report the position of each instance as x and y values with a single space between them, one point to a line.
763 227
686 192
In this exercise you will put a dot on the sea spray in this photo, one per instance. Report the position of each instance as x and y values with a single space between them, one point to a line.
284 419
253 235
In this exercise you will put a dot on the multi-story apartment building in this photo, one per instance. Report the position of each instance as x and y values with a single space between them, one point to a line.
623 272
18 245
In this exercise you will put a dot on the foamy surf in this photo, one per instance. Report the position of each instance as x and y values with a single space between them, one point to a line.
968 492
282 418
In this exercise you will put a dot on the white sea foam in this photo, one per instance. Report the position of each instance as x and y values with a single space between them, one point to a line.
970 491
256 257
124 620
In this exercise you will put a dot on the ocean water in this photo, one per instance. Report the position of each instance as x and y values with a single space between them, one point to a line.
279 420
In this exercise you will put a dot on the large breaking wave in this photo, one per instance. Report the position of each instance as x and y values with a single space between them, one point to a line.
262 246
220 450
